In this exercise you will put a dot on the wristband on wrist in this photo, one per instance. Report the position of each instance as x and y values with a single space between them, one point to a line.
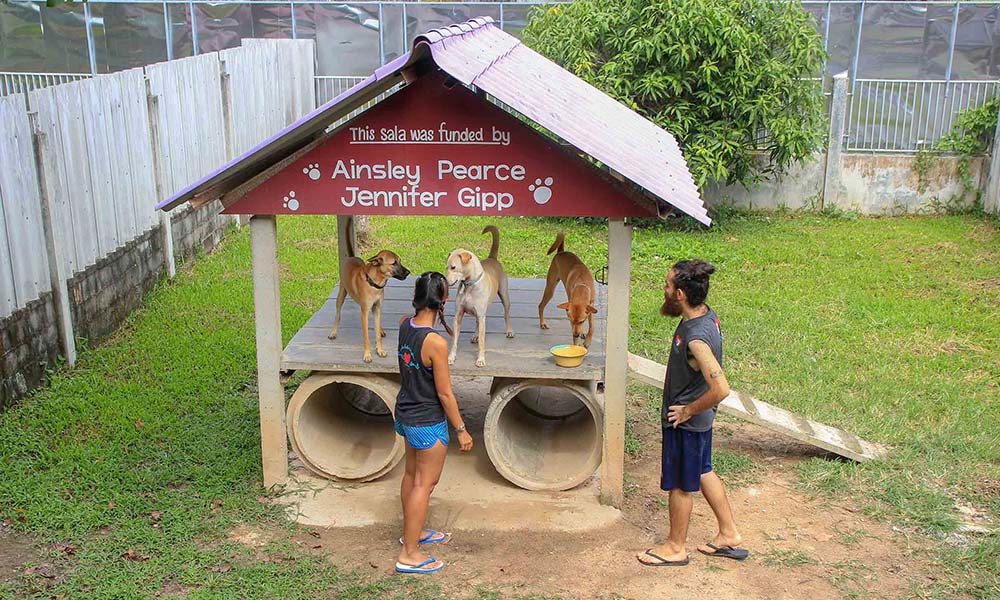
460 429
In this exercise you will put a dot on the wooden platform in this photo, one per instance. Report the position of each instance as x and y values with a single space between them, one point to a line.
524 356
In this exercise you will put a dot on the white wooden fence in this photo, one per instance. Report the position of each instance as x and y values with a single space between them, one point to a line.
24 269
113 146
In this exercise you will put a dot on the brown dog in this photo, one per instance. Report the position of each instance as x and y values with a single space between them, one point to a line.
579 285
365 282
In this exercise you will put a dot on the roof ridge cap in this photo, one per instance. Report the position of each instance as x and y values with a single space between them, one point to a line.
456 29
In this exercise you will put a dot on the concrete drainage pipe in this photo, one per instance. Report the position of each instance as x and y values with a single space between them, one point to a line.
341 427
544 434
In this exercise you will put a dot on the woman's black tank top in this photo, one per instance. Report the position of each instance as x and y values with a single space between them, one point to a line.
417 403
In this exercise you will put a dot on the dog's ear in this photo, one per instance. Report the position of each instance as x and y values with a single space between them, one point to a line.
466 257
592 310
375 261
564 306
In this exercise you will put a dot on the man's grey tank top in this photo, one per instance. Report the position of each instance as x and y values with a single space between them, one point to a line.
684 385
417 403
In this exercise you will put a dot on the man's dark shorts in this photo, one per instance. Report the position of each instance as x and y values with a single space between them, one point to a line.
687 455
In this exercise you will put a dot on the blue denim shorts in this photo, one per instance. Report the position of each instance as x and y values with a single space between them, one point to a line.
687 455
423 437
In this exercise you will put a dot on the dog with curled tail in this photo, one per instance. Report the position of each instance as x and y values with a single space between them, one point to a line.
479 282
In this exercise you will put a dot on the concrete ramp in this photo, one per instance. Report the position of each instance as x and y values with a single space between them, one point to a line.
771 417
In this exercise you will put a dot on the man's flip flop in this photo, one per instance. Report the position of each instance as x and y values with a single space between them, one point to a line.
433 537
421 568
726 552
664 562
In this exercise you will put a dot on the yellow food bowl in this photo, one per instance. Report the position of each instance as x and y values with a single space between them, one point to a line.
568 356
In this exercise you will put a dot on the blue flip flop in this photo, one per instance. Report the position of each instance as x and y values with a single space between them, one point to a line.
421 568
430 539
726 552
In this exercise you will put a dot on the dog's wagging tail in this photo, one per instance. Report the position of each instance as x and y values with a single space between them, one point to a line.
495 247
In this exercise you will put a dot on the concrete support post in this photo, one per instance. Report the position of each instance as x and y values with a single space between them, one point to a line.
991 197
58 276
267 317
616 361
835 143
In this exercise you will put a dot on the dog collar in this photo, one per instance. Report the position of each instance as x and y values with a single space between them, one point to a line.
375 285
466 283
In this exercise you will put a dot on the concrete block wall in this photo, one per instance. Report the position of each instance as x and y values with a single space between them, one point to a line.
874 184
29 344
101 298
867 182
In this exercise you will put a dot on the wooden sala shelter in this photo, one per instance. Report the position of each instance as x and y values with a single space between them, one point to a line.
469 122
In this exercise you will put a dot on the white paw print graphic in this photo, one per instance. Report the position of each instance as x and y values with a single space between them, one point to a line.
542 193
290 202
312 171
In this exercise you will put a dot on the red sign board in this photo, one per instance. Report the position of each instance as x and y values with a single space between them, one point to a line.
434 150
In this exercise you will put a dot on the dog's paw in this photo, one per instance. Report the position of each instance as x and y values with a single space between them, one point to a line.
474 340
481 361
451 360
332 336
510 335
381 353
381 332
368 357
544 325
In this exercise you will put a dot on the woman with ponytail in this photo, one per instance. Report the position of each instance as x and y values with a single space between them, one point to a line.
424 408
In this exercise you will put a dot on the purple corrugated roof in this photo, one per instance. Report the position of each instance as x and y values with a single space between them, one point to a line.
295 136
479 53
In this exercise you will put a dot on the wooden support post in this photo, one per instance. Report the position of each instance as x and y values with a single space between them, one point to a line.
616 361
267 316
166 225
58 276
228 127
345 232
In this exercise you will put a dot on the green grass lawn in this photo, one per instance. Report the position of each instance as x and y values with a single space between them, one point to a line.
146 454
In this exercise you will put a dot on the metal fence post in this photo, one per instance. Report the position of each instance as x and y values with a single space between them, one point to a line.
58 277
91 50
991 198
951 49
857 41
835 143
194 29
168 34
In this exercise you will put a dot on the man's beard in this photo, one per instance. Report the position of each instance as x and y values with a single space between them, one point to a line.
670 308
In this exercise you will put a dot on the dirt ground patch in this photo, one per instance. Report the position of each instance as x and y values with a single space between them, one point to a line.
800 548
15 550
21 565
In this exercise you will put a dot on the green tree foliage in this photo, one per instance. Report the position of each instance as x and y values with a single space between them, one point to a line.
972 135
973 130
717 74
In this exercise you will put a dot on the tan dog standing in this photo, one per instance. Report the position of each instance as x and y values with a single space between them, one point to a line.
365 281
579 285
479 282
